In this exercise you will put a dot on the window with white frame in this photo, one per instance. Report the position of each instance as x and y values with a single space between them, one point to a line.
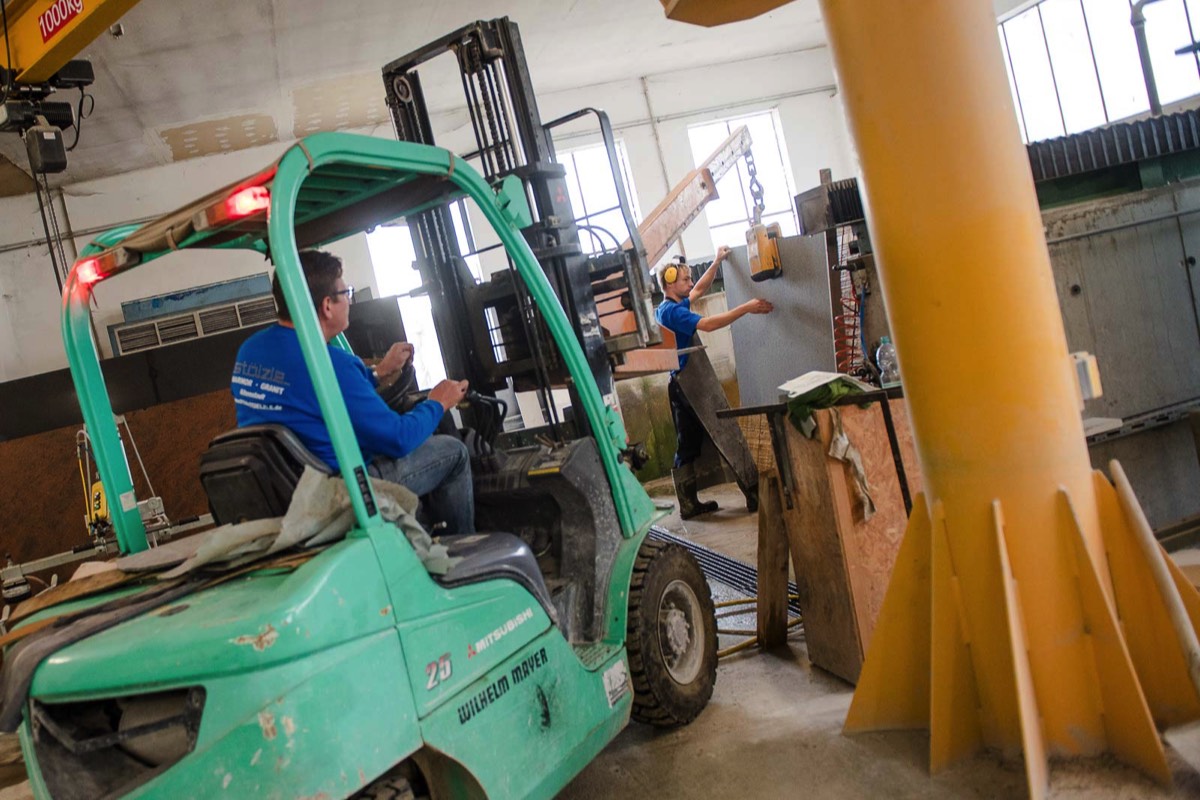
593 195
393 257
730 214
1074 65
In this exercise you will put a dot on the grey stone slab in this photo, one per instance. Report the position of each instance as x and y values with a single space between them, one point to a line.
797 337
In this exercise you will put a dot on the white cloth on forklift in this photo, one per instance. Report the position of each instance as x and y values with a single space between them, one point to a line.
320 512
320 506
166 555
229 542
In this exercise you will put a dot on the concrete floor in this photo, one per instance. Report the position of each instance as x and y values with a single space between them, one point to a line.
773 730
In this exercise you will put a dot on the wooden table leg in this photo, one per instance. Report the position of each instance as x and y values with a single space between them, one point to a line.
772 562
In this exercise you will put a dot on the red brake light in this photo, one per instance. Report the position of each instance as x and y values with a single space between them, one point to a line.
88 271
246 202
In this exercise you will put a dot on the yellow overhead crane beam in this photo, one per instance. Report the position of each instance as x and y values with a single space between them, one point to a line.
710 13
43 35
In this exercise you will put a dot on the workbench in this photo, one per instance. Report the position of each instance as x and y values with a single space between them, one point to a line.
842 555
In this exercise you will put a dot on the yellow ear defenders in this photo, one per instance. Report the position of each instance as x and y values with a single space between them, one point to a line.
671 273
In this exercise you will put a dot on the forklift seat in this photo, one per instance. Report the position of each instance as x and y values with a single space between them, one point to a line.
250 473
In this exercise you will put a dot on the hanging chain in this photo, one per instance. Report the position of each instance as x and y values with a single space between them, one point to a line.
756 189
58 260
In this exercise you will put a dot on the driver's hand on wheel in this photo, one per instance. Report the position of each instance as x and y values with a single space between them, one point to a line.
449 393
394 360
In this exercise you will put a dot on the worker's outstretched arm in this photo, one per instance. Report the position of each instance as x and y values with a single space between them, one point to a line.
718 321
701 286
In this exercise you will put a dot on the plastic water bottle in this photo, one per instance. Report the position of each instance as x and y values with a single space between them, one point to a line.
889 367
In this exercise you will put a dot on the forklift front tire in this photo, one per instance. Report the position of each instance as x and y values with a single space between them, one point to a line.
392 785
672 636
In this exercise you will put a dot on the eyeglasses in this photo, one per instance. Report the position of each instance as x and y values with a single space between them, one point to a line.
348 291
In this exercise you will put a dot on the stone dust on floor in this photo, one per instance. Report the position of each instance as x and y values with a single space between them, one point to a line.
773 730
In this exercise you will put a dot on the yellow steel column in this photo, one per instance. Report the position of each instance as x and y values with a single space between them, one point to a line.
1021 647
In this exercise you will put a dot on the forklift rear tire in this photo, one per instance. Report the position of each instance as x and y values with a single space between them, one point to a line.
672 636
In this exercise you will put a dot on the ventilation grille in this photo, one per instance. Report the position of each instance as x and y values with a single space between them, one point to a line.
256 312
138 336
217 320
177 329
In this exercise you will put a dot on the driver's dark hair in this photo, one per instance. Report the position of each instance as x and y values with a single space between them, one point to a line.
321 271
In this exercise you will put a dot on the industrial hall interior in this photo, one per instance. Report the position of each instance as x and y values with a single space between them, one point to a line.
466 399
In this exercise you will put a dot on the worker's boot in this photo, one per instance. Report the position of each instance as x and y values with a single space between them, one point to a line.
685 489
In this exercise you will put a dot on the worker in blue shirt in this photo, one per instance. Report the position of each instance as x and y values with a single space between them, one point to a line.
676 315
271 385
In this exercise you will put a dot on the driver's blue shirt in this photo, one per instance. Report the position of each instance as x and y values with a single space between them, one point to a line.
679 319
271 385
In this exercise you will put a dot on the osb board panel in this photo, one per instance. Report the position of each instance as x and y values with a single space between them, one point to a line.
830 626
908 447
870 545
40 488
843 563
758 438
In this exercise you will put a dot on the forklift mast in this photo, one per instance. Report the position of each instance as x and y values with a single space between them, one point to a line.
490 332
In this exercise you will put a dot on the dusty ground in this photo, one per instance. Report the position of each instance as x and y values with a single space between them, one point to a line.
773 730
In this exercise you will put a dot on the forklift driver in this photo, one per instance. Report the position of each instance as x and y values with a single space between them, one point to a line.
676 315
271 385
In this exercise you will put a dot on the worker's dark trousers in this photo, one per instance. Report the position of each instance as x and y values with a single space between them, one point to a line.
689 432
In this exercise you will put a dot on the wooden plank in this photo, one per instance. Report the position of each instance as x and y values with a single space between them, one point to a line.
661 228
12 764
659 231
670 218
772 563
649 360
830 625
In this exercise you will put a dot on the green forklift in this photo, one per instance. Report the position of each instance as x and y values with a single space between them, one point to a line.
349 669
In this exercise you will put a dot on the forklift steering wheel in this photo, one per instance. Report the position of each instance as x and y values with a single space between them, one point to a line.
402 394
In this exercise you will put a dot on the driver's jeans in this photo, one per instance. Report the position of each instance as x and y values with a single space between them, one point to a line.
439 472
